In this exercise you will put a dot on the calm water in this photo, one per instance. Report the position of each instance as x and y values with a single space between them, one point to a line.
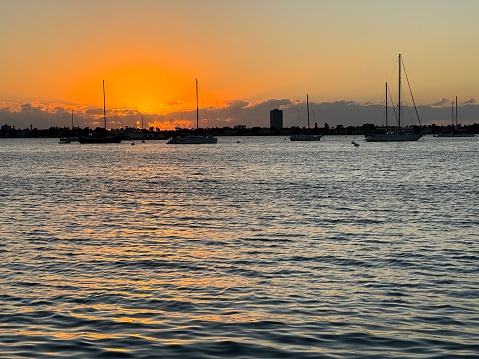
265 248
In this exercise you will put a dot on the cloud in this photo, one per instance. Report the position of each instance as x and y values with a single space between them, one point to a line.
471 101
228 114
441 102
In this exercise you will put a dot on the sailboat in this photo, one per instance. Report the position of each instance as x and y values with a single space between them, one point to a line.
306 136
455 127
397 133
104 135
69 139
191 138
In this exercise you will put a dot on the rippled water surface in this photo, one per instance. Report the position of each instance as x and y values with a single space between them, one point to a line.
265 248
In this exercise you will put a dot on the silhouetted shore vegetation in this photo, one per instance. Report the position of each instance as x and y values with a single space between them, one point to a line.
7 131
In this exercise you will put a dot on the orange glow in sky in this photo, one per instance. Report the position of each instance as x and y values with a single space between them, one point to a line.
150 52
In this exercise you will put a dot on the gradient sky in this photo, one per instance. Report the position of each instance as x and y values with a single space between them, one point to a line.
55 54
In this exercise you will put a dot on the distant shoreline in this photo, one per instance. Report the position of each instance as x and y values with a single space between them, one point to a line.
7 131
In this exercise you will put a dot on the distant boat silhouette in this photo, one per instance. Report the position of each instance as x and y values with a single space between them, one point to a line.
103 135
397 133
455 127
191 138
69 139
306 136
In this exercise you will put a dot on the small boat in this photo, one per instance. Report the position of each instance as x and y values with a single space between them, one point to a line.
102 136
396 133
306 136
192 138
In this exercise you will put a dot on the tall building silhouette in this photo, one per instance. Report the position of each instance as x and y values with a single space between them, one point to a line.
276 119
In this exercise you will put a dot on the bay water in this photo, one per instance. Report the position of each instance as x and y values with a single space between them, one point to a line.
256 247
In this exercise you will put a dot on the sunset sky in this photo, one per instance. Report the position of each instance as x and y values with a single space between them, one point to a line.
249 56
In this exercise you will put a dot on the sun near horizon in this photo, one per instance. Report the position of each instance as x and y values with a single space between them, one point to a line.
149 53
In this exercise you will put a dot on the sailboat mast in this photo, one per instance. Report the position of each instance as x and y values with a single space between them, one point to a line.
307 107
452 113
399 97
104 104
456 113
386 104
197 114
72 119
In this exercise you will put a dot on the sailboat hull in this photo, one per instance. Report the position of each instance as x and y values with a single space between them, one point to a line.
305 138
192 139
393 137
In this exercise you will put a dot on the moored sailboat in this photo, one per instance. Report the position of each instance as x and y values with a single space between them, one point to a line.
398 133
103 135
455 127
69 139
306 136
193 138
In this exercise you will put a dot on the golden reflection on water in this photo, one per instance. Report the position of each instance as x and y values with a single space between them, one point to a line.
63 335
117 350
182 249
95 336
244 317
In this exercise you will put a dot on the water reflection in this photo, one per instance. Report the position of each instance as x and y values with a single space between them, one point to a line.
271 248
